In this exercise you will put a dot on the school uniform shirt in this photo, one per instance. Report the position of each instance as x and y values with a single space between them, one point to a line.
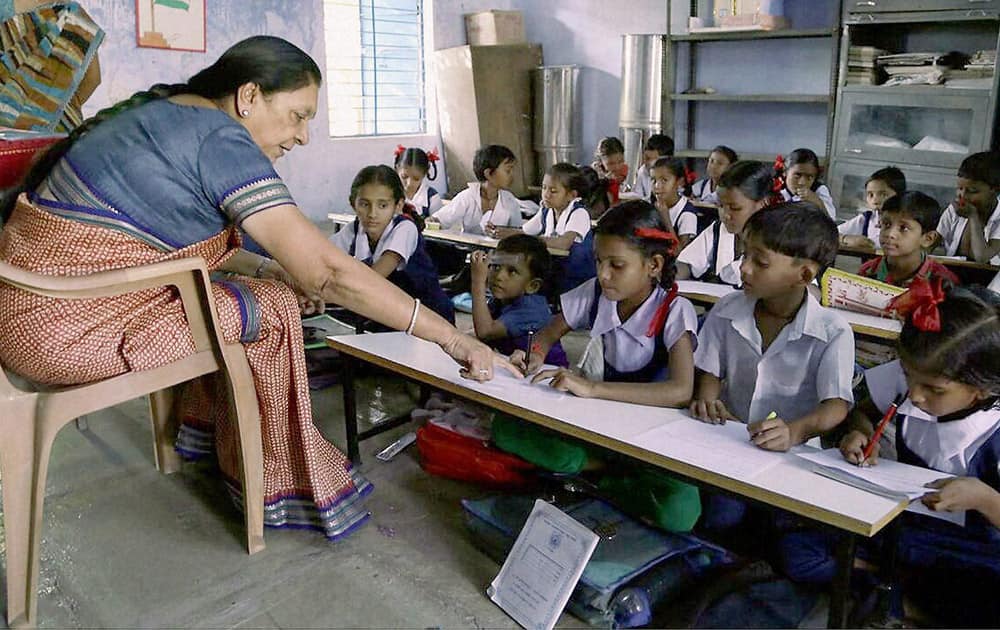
684 223
400 238
698 256
575 218
643 182
426 200
528 313
705 190
857 225
811 359
929 269
951 227
995 284
465 212
626 346
824 195
947 444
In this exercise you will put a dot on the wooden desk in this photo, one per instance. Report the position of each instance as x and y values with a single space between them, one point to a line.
477 241
969 271
789 484
708 293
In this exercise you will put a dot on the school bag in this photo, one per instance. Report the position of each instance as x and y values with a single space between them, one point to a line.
448 453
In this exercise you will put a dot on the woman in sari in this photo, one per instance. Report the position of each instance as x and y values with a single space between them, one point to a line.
178 171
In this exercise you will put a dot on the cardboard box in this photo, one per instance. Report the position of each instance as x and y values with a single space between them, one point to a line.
491 28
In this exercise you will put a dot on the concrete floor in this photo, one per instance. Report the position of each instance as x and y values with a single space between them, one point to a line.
127 547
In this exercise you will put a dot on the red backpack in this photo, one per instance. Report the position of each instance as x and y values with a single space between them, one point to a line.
449 454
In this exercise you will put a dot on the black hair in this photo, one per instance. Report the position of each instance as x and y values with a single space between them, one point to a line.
569 176
274 64
754 179
534 251
726 151
489 158
414 156
891 177
676 168
662 144
609 145
796 229
625 218
966 348
982 167
384 175
596 195
914 204
802 156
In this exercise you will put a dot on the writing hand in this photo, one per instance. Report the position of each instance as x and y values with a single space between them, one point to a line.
772 434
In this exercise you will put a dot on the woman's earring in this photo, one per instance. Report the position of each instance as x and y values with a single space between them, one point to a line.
244 112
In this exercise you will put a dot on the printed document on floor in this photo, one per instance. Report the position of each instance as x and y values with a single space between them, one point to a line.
543 567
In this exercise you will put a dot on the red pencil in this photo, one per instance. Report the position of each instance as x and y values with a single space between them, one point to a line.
889 414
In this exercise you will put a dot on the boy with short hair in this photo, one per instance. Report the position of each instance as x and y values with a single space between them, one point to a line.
907 232
514 275
657 145
862 230
770 355
487 201
970 225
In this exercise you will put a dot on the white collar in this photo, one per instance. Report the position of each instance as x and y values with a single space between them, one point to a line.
636 325
948 446
421 197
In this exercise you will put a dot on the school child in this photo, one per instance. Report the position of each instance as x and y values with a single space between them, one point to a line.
596 198
486 202
656 146
906 234
415 168
609 162
970 225
671 192
648 334
862 230
563 220
715 254
948 381
507 305
800 172
386 236
719 159
771 348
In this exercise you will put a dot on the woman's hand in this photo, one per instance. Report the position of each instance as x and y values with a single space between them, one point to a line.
852 447
476 358
566 380
308 305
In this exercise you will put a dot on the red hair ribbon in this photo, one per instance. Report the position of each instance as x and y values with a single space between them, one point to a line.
659 319
690 176
399 150
657 234
432 155
920 304
779 174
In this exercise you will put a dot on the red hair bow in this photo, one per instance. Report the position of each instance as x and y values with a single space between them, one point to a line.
690 176
657 234
920 304
399 150
432 155
779 174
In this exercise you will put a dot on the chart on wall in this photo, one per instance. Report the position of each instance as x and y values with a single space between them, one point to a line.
171 24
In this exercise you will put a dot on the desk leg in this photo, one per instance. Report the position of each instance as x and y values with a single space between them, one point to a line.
841 587
350 409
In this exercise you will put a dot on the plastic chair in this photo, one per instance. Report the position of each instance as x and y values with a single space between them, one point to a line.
31 416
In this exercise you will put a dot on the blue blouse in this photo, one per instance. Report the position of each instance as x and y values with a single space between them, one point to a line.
170 174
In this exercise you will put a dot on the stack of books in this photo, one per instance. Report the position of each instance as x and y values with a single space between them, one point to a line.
861 65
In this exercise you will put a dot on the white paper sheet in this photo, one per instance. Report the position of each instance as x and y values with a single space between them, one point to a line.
543 567
725 449
895 477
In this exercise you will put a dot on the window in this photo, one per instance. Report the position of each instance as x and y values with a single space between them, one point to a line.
375 67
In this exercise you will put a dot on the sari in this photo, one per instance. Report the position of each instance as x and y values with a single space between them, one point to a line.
307 481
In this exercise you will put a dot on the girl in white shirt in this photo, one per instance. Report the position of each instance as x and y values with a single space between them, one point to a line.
415 167
719 159
563 220
802 180
669 177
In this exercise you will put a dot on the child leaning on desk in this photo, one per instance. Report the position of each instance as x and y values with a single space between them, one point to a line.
948 379
970 225
514 275
647 333
906 233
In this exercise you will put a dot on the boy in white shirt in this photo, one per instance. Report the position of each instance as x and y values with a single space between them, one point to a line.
486 203
656 146
970 225
771 356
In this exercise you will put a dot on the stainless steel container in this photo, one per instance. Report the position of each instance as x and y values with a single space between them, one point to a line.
557 115
640 112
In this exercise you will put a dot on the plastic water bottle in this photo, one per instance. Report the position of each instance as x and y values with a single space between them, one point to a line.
634 604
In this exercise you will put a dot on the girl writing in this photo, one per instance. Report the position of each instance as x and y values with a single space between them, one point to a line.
415 167
387 237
